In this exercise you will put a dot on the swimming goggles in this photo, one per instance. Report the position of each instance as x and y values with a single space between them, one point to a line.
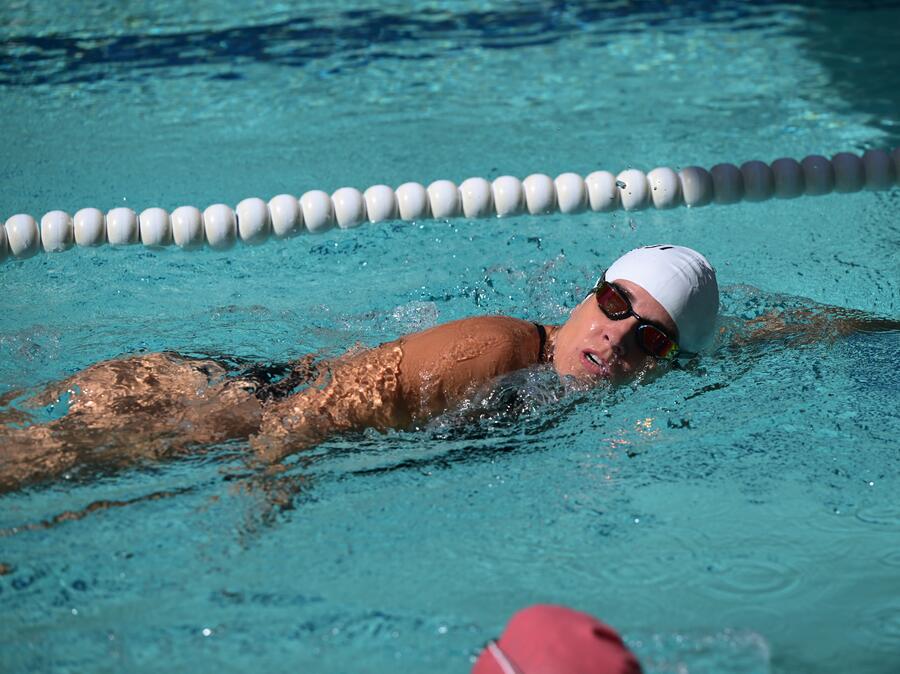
652 338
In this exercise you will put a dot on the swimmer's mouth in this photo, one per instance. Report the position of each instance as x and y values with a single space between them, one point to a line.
594 364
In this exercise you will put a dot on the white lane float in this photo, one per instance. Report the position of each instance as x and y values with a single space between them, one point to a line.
254 220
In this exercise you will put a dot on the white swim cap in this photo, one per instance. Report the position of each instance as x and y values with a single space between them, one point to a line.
681 280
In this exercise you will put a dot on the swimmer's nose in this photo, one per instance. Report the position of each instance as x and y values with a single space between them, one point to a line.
617 334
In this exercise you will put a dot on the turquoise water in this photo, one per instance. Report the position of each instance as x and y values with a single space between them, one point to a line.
741 517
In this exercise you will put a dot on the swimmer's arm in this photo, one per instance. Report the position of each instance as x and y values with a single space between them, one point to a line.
443 365
821 323
399 383
353 392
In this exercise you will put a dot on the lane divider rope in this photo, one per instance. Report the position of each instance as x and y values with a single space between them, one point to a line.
254 220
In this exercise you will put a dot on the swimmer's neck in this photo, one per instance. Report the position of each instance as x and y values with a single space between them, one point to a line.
549 346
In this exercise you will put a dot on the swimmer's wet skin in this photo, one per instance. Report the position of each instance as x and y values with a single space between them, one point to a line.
668 290
650 304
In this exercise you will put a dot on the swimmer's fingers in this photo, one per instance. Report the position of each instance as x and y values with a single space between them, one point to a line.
270 450
802 326
820 324
266 451
293 426
851 321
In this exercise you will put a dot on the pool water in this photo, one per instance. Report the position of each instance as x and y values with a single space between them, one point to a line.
739 517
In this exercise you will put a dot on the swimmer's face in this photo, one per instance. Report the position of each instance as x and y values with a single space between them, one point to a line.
591 346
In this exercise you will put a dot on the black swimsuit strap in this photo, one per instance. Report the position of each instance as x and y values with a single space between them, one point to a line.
542 335
278 380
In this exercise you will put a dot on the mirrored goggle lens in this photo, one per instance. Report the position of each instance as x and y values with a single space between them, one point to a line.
657 343
611 302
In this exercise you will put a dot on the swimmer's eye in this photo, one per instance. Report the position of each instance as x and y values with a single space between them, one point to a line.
652 338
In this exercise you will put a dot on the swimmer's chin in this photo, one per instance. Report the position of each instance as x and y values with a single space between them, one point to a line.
584 381
580 380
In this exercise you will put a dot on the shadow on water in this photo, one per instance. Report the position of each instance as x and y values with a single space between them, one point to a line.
355 38
856 43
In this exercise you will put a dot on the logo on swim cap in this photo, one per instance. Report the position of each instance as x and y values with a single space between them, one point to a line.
682 281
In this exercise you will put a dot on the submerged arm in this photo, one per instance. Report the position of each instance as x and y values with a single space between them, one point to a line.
355 392
399 383
814 324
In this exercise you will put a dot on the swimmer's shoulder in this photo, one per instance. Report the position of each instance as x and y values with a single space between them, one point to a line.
441 364
504 337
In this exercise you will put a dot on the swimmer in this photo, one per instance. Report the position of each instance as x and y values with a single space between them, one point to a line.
653 305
